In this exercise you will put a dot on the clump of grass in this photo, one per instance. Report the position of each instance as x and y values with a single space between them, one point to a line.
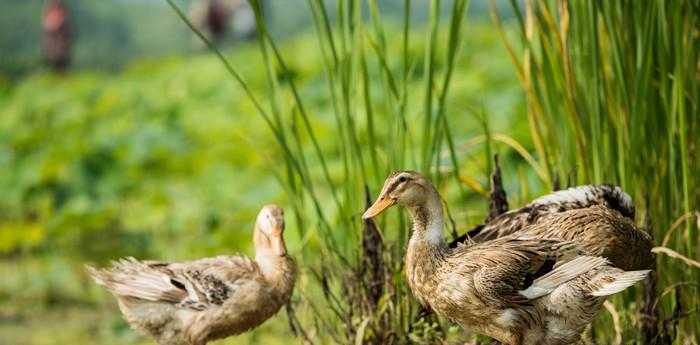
612 93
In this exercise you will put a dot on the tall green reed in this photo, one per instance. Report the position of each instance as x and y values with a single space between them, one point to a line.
612 91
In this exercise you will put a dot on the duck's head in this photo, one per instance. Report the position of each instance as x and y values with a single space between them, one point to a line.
406 188
269 229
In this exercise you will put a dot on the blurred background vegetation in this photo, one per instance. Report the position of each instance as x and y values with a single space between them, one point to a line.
146 147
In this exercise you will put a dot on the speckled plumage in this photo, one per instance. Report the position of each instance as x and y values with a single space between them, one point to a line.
598 230
519 288
599 218
192 303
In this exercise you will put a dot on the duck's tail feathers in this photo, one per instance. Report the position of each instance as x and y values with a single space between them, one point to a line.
129 277
620 282
562 274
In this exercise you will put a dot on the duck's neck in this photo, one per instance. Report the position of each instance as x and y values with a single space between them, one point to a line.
426 248
275 265
278 270
428 222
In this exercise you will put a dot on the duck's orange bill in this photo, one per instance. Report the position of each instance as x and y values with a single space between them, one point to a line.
378 207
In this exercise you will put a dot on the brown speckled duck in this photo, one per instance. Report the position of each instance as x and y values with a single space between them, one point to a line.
517 288
192 303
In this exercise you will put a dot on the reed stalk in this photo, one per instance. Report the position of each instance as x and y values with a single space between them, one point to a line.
610 88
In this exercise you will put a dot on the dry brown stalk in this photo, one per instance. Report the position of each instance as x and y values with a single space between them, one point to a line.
499 202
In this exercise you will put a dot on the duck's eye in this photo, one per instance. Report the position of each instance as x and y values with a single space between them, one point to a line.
403 179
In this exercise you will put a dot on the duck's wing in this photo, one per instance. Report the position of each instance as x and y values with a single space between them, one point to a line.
195 285
510 272
599 231
508 223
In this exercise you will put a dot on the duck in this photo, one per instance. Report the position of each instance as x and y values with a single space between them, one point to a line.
599 218
518 288
195 302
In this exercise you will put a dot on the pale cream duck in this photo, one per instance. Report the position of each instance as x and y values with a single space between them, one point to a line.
192 303
517 289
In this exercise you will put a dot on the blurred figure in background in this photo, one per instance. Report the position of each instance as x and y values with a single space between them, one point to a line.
217 18
57 35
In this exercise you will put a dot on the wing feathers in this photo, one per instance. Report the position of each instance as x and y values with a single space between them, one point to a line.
562 274
508 223
621 281
132 278
195 285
